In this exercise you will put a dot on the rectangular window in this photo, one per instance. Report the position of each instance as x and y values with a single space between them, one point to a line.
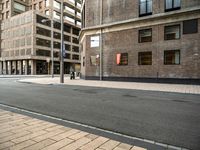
95 60
172 57
56 4
94 41
145 58
190 26
122 59
171 5
172 32
19 6
145 8
56 15
145 35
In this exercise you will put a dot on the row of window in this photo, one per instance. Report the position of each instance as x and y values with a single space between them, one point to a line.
171 57
171 32
145 6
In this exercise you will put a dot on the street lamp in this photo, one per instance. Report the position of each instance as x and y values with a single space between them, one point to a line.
52 54
62 47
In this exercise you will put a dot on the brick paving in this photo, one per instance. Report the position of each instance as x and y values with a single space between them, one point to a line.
19 132
177 88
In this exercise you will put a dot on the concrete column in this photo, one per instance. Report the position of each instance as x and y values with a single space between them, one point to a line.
1 67
33 67
9 66
26 67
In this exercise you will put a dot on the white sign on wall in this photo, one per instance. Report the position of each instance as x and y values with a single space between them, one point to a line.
94 41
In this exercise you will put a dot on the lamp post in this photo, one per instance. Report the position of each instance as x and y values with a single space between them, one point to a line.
62 47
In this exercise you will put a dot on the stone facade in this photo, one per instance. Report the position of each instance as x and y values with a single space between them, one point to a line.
119 24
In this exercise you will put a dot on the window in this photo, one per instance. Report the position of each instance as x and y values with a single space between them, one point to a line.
95 60
190 26
145 58
172 32
145 7
94 41
40 5
56 4
171 5
47 3
56 15
172 57
19 6
145 35
122 59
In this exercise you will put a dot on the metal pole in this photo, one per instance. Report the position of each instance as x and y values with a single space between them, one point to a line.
52 54
100 42
61 50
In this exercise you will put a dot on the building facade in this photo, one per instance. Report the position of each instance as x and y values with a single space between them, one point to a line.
140 40
28 38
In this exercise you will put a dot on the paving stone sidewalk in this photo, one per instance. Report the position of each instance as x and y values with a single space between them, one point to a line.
178 88
19 132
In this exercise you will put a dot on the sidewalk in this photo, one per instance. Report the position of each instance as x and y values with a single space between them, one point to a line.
22 132
177 88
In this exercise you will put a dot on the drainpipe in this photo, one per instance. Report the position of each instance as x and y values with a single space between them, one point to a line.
101 40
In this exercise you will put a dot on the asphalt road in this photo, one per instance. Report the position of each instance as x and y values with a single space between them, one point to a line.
169 118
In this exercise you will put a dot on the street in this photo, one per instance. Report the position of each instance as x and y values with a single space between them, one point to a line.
169 118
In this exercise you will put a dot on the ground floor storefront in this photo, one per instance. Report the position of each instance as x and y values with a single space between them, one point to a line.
34 67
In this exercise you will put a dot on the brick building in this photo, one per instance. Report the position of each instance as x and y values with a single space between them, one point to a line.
134 40
26 31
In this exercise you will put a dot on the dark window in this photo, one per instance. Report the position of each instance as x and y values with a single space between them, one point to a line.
83 61
43 31
42 42
145 58
122 59
67 47
75 40
67 28
190 26
171 5
67 38
40 52
56 45
172 32
75 57
75 49
57 25
75 31
56 35
145 8
172 57
145 35
67 56
43 21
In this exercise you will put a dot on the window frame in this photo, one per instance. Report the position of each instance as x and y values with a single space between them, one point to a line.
173 8
174 52
191 32
146 12
122 63
139 37
139 62
178 25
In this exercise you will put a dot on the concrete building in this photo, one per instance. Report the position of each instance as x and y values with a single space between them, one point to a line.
151 40
27 36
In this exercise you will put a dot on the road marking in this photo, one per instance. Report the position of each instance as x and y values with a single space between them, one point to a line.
96 128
